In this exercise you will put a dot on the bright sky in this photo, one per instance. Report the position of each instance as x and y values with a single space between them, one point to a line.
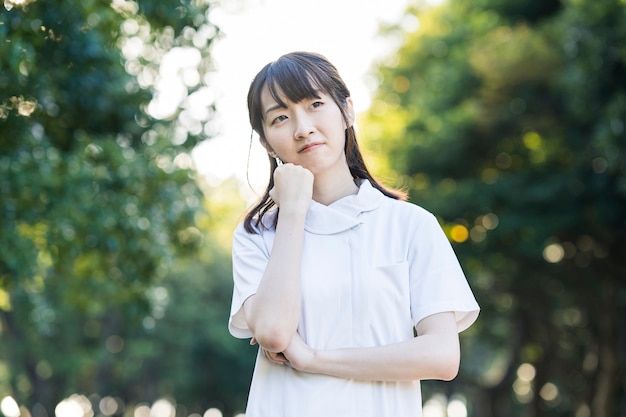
256 32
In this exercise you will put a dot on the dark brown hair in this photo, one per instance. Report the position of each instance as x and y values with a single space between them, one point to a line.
298 76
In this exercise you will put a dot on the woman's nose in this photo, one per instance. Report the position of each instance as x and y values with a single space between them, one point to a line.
304 126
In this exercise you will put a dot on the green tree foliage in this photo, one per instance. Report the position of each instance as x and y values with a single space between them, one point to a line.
506 119
97 195
193 357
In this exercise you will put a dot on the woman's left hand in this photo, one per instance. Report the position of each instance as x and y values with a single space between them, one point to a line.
273 357
299 355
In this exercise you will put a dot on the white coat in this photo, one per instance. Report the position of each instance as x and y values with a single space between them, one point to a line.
372 268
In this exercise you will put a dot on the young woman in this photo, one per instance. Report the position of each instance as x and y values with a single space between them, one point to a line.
352 294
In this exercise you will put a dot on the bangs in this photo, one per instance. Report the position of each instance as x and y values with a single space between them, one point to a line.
293 82
294 77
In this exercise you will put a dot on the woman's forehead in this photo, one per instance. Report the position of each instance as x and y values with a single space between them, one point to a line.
271 96
294 85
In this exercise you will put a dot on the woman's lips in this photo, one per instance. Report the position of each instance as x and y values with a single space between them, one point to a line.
310 147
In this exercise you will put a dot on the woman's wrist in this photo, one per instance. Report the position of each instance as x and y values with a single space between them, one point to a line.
292 212
315 365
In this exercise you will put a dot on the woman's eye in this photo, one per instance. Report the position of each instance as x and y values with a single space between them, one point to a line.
316 104
279 119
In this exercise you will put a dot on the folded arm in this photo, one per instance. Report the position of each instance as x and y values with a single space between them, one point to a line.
273 312
433 354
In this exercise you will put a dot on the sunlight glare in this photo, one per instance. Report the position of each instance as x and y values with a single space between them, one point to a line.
240 52
177 72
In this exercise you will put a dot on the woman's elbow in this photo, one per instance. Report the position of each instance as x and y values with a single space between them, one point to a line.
449 372
274 335
449 364
272 340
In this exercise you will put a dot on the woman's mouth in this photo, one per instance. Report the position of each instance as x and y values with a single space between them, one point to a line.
309 147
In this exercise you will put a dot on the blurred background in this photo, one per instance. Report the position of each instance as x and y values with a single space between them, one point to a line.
123 174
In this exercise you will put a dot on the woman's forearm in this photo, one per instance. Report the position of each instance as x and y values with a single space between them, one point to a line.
435 354
424 357
273 312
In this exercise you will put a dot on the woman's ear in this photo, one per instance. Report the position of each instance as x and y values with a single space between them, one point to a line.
271 152
274 155
350 114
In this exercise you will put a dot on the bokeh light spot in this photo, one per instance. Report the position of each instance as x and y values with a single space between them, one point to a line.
43 369
457 408
599 165
489 175
109 406
478 233
9 407
526 372
490 221
74 406
523 391
401 84
549 392
583 411
162 408
114 343
503 160
554 253
213 412
435 406
459 233
532 140
142 411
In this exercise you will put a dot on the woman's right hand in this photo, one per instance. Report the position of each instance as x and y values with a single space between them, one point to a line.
293 188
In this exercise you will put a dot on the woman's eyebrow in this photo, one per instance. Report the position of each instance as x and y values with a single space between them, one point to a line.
274 107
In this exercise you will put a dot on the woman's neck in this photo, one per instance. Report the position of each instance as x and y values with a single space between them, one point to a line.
328 189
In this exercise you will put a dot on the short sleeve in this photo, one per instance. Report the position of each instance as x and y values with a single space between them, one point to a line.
437 281
249 256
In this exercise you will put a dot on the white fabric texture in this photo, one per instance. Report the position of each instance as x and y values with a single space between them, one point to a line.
372 268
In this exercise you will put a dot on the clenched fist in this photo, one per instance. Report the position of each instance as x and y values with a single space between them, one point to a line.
293 188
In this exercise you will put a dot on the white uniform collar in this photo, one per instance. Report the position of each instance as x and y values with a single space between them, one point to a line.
344 213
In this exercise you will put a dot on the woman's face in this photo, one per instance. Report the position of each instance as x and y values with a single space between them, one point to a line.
310 133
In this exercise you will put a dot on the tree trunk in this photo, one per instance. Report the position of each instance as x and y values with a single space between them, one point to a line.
608 372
